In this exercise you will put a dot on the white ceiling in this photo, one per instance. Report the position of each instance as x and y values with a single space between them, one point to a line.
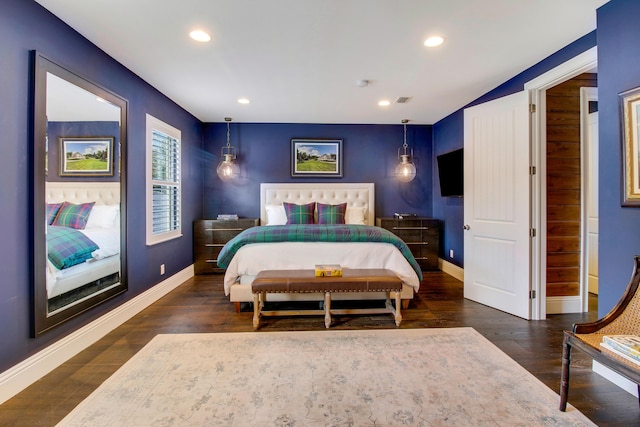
298 60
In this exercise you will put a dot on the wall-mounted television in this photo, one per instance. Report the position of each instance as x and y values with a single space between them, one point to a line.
451 173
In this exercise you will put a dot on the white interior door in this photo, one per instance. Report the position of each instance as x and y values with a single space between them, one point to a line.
592 204
496 204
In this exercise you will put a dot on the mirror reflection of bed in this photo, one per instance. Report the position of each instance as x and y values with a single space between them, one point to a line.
76 268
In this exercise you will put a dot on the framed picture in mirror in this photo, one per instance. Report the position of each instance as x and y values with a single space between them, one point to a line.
86 156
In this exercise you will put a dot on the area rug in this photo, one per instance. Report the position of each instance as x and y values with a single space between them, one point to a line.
401 377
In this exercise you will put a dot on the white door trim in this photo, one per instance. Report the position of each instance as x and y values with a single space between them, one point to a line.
587 94
537 95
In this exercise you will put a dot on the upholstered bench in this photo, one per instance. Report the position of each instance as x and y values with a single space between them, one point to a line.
305 281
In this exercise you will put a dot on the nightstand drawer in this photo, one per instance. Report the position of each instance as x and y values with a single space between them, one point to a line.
210 235
422 236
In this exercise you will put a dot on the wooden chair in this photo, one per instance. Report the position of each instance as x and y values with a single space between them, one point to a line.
623 319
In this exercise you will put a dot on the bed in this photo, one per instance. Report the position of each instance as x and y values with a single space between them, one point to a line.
249 259
84 257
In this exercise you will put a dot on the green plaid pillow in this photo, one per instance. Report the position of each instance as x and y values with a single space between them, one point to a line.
331 214
74 216
52 211
299 214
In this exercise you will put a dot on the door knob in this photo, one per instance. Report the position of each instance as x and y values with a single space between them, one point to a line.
466 227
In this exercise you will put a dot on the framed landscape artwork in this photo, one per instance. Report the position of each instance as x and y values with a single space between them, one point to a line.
86 156
316 157
630 152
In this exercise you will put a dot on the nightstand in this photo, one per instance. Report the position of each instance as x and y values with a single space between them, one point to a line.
422 235
210 235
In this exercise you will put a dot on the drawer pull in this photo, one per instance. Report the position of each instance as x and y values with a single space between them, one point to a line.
211 260
214 245
410 228
223 229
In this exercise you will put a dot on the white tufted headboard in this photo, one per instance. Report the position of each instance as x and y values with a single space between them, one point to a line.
354 194
103 193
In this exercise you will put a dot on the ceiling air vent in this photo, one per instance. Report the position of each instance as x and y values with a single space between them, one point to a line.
403 99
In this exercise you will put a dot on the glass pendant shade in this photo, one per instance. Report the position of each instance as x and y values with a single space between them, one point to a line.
406 170
227 170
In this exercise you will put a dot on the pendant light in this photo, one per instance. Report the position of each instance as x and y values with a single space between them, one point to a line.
406 170
228 170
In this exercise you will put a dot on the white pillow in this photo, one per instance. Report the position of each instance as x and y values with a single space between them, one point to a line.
103 216
276 215
355 215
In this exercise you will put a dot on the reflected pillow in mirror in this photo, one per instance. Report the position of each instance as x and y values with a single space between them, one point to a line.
331 214
103 216
355 215
52 211
299 214
276 215
67 247
72 215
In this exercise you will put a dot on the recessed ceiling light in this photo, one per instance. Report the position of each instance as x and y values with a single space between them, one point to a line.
243 100
434 41
200 36
384 103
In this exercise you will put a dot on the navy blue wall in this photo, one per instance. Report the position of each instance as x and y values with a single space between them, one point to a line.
618 71
369 152
25 26
448 134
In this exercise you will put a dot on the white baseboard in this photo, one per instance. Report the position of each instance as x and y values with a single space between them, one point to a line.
564 305
614 377
451 269
25 373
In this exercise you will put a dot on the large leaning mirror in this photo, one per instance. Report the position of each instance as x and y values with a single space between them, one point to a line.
79 214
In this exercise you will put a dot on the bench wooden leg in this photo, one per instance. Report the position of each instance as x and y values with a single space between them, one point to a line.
398 312
237 306
564 379
257 307
327 309
405 304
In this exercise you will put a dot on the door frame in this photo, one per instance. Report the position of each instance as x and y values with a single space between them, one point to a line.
587 94
538 123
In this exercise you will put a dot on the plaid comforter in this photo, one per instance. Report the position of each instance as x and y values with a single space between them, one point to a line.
315 233
67 247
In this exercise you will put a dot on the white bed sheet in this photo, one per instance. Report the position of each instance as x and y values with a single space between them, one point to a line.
252 258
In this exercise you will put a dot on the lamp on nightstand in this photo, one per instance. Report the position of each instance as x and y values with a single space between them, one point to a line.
406 170
228 170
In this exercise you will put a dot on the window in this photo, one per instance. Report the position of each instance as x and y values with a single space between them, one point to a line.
163 182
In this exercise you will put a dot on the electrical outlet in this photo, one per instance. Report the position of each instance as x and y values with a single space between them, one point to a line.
161 269
450 253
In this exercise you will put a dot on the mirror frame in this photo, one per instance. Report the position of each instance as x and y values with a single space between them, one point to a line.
42 321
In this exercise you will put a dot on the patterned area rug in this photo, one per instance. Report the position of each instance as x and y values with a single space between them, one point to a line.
402 377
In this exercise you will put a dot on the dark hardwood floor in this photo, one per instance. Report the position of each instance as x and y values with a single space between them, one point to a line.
199 305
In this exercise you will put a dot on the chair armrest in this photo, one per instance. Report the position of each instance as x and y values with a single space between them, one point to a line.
629 293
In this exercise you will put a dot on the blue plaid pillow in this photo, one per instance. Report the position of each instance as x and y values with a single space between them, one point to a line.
299 214
67 247
331 214
74 216
52 211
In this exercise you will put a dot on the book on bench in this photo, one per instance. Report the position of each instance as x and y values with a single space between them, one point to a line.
328 270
